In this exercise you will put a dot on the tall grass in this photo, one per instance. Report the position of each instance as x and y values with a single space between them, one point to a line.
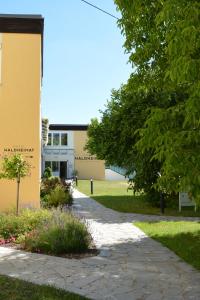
63 233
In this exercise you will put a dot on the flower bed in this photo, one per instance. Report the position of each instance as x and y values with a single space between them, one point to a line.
50 232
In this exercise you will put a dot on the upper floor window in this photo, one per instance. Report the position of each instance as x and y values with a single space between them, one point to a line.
57 139
63 139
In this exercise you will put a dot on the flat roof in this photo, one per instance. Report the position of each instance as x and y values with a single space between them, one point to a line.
74 127
21 23
33 24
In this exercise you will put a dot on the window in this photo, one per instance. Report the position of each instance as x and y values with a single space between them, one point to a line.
55 166
47 164
63 139
49 139
56 139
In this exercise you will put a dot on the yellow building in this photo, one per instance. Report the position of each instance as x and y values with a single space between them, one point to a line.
21 39
65 153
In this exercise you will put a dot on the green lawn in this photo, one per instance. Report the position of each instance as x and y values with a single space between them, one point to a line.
114 195
14 289
181 237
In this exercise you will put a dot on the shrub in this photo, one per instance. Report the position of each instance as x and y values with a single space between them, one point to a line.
55 193
47 173
49 184
14 226
58 197
64 233
11 226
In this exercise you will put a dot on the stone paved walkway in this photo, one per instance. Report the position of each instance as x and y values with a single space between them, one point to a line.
130 265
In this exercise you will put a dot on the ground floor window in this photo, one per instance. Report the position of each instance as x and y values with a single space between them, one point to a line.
55 166
59 168
47 164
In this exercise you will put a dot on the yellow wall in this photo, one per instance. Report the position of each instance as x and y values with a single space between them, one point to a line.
20 113
87 168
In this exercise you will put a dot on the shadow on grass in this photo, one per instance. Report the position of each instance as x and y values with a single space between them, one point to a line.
108 211
140 205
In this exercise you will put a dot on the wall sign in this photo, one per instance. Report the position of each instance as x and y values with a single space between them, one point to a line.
27 152
23 150
85 158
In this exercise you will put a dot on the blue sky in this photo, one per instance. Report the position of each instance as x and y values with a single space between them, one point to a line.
83 56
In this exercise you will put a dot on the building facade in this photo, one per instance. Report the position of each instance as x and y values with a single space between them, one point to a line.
66 156
21 40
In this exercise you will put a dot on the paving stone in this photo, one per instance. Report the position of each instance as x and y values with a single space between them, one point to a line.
129 266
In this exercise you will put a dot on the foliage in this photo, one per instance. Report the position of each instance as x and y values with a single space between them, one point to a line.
47 173
180 236
16 289
64 233
163 40
45 231
48 184
58 197
14 226
55 193
114 138
151 124
15 167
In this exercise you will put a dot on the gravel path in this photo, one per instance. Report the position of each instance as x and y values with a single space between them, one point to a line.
130 265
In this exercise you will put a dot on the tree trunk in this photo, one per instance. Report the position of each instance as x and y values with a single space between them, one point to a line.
18 183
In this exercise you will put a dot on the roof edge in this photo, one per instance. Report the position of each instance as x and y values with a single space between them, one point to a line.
74 127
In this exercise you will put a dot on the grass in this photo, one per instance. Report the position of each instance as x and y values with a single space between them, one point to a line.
114 195
181 237
15 289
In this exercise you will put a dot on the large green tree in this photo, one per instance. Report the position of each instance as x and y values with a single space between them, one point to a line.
115 136
163 40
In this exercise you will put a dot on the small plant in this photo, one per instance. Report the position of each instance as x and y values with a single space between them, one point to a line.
47 173
15 167
58 197
63 233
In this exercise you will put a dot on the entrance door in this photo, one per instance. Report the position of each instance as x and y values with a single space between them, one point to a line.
63 169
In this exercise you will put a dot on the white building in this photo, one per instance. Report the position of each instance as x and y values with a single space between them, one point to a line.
65 153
